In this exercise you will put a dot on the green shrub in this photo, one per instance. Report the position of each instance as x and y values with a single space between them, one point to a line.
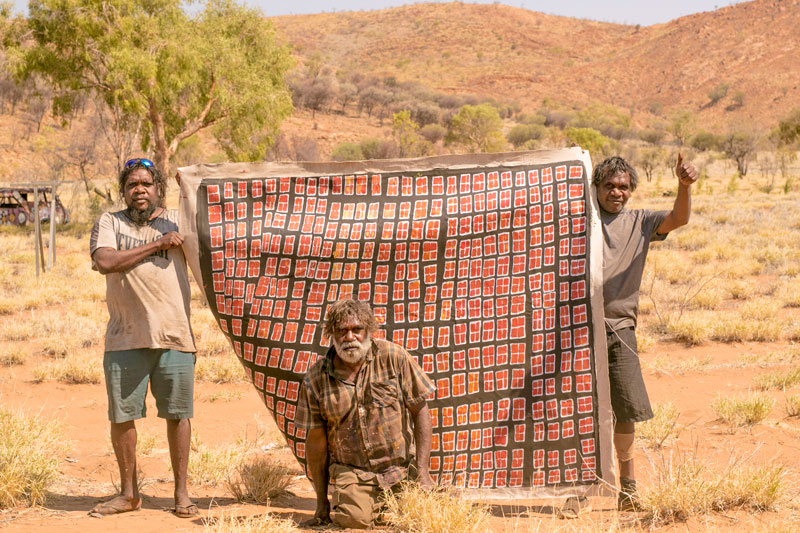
374 148
718 93
347 152
652 136
522 133
704 141
605 118
589 139
433 133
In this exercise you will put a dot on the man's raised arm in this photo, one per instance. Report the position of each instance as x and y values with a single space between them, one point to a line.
682 208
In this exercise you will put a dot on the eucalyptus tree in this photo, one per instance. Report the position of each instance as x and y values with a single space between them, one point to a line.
164 70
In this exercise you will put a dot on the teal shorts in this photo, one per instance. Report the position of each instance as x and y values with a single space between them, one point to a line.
170 374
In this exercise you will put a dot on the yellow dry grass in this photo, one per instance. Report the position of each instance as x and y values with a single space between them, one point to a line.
217 465
74 370
210 340
742 411
12 356
262 523
660 429
668 365
219 369
418 511
728 274
778 380
684 484
29 457
213 465
146 443
769 359
222 396
258 480
792 405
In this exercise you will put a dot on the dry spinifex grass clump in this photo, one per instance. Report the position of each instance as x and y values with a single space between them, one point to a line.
778 380
219 369
683 485
663 426
74 369
29 449
793 405
13 357
263 523
259 480
743 411
212 465
418 511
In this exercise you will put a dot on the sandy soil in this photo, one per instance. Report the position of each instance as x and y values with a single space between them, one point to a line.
89 468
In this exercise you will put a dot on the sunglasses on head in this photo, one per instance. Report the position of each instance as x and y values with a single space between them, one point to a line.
139 161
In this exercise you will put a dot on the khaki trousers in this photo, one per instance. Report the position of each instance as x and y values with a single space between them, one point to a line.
356 502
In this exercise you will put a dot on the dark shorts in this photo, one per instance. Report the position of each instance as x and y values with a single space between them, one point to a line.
628 393
170 374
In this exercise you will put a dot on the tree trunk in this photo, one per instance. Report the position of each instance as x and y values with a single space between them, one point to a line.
161 147
84 177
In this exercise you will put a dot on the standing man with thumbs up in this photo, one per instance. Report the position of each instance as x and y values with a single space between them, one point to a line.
627 234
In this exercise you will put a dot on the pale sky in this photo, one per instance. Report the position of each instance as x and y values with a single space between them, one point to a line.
619 11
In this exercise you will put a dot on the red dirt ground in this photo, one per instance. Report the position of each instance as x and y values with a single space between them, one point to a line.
87 470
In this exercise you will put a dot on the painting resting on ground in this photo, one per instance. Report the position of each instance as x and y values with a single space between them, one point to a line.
486 268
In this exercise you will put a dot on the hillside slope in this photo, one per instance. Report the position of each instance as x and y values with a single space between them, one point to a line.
511 54
519 55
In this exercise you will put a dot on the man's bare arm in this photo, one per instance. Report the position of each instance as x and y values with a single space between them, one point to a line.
422 437
111 260
317 459
682 208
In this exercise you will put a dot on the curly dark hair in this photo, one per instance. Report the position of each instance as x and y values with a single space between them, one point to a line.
340 311
612 166
158 180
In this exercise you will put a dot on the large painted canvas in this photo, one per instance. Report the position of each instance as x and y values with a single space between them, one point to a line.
486 268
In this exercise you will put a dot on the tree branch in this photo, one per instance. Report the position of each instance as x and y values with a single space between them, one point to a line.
199 123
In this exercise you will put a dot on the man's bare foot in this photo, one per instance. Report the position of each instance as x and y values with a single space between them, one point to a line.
117 505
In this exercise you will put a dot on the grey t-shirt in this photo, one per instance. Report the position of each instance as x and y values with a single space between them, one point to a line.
148 305
627 237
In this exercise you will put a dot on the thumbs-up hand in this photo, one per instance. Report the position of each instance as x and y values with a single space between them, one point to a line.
686 172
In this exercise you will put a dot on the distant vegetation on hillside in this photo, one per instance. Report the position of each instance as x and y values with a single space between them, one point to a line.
82 95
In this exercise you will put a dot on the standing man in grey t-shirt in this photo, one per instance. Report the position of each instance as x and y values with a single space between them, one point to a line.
148 339
627 234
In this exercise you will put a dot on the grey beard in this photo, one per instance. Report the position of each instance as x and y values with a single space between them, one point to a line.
352 359
141 218
356 358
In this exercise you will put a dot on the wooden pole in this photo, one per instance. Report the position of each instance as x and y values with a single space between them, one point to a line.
39 245
38 230
52 245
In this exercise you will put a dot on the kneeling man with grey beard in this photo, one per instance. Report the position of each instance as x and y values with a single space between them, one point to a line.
368 427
